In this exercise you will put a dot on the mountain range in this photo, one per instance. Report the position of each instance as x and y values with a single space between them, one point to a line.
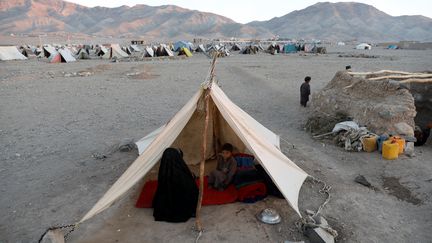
325 21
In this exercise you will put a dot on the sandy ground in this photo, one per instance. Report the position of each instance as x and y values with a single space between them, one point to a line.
51 126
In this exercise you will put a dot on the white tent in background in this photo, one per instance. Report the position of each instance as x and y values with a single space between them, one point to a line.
148 52
62 55
363 46
227 123
67 55
83 54
10 53
117 52
102 51
48 50
200 48
340 43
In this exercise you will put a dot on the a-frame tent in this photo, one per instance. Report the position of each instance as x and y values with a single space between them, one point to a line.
10 53
62 55
227 123
117 52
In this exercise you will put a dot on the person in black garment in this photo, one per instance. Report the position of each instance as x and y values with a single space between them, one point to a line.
305 91
176 196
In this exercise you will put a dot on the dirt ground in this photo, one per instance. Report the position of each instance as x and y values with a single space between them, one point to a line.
54 124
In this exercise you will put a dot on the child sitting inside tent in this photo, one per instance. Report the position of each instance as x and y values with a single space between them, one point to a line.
225 170
176 195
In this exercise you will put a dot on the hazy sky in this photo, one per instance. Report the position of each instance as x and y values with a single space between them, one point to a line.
246 11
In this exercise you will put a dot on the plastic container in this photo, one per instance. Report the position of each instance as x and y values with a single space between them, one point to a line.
370 143
380 141
390 149
399 141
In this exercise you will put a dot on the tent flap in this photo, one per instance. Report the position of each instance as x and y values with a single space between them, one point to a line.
148 159
287 176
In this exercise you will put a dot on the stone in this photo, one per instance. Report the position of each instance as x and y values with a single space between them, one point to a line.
402 128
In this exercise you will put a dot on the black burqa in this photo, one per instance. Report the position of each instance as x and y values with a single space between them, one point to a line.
304 93
177 193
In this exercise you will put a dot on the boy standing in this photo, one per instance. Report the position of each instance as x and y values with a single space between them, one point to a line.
305 91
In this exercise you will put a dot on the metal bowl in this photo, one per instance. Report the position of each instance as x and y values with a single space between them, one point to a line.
269 216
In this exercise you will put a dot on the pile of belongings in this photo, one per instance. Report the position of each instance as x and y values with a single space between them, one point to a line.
350 135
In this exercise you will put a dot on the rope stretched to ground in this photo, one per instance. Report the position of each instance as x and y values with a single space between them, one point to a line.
309 221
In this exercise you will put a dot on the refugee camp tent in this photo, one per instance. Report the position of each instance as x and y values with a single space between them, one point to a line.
249 50
310 48
392 47
180 44
83 54
10 53
102 51
27 51
363 46
127 50
148 52
340 43
290 48
235 47
48 50
163 50
62 55
200 48
227 123
185 51
273 48
117 52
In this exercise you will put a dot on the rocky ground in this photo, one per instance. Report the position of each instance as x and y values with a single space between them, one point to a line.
58 121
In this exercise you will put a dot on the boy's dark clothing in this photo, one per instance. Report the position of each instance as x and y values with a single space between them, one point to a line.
304 93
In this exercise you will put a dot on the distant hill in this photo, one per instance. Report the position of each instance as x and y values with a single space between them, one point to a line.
348 21
168 21
330 21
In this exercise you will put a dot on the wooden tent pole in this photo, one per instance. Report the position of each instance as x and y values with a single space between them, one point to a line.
204 147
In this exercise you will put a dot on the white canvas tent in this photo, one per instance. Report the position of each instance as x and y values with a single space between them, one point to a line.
363 46
48 50
228 123
116 51
102 51
148 52
10 53
67 55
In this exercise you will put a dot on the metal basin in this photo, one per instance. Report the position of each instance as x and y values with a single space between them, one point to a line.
269 216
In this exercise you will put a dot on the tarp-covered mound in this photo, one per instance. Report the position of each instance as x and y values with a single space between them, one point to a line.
377 104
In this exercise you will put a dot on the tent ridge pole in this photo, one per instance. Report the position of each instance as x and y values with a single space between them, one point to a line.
204 147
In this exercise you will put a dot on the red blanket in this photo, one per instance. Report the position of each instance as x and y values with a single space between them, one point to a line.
210 196
252 192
